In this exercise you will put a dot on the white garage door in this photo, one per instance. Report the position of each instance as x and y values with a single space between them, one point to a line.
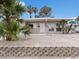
42 27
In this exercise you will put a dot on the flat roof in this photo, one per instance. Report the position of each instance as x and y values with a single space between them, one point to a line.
46 19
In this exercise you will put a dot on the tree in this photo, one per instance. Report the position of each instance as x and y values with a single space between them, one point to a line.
66 29
71 22
64 22
19 9
45 11
12 31
10 10
35 10
30 10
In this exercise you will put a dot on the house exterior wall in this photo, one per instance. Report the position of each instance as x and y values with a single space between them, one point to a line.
50 27
35 28
50 23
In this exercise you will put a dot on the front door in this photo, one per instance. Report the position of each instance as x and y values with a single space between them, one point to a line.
42 27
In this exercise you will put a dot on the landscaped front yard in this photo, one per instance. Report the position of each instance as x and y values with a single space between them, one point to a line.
45 40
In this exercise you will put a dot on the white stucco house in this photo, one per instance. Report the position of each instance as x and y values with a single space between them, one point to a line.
45 25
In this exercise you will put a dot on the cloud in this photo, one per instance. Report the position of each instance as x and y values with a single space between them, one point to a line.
22 3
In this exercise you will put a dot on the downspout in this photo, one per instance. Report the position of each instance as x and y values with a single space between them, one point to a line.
46 26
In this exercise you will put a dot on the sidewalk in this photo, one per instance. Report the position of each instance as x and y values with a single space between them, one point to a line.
39 57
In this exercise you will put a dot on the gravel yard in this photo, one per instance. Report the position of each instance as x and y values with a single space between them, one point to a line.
45 40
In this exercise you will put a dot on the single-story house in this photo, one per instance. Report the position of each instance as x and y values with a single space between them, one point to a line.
45 25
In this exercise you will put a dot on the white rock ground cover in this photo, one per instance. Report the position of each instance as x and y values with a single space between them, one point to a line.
44 40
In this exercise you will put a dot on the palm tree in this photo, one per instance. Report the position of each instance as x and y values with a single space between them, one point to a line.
71 24
45 11
11 10
19 9
35 10
67 29
12 31
64 22
6 8
30 10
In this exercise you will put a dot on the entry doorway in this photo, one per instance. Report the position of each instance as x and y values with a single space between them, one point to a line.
42 27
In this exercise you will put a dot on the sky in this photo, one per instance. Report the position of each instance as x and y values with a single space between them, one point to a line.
60 8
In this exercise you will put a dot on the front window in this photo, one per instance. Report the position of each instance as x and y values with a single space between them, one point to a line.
51 26
58 29
51 29
31 25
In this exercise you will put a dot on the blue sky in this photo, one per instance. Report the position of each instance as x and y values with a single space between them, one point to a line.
60 8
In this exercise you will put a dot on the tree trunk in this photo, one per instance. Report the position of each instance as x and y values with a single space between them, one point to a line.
69 29
30 16
7 18
8 38
35 15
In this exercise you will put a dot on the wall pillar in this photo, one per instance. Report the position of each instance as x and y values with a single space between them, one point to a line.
54 27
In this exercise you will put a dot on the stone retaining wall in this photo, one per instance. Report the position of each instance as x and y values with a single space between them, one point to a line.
39 51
